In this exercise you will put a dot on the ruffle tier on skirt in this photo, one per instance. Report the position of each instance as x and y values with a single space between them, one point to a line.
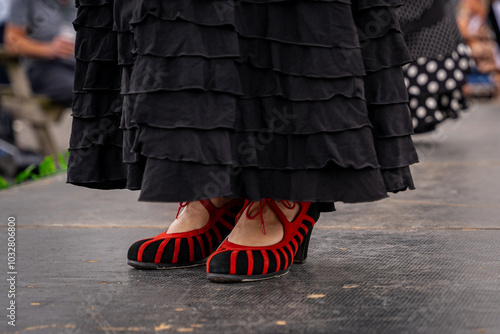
192 99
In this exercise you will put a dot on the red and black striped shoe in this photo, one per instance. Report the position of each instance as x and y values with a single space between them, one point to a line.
187 249
237 263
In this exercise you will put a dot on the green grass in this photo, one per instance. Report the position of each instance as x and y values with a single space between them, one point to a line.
47 167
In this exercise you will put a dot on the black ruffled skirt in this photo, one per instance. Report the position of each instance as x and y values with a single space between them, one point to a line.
192 99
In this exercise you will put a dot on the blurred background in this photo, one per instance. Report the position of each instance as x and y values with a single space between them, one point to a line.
37 66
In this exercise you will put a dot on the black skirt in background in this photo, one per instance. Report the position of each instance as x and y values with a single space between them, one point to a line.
437 75
192 99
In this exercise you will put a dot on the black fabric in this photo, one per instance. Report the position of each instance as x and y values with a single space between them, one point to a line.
436 77
430 27
259 99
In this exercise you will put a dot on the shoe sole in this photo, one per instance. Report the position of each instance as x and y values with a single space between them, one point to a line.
163 266
226 278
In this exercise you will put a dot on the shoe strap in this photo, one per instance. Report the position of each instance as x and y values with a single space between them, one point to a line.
272 204
211 208
181 206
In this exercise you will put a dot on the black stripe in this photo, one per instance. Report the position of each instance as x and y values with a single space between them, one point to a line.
197 250
290 257
242 263
272 262
168 252
283 265
149 253
183 251
258 263
215 243
206 245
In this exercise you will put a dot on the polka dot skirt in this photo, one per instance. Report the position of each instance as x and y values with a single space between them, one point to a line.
435 88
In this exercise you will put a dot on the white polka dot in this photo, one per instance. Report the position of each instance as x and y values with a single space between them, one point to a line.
432 66
421 112
431 103
442 75
407 82
414 90
415 122
414 103
461 49
472 63
445 100
405 67
459 75
438 115
412 71
433 87
457 94
421 60
451 84
422 79
429 119
454 55
454 105
463 64
449 64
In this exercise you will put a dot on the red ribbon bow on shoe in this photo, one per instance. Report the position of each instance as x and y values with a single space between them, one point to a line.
181 205
287 204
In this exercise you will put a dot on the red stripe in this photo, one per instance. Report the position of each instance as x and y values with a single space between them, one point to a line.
250 262
301 237
176 250
266 261
226 224
309 219
159 252
209 237
141 249
217 233
291 252
202 246
278 260
234 255
286 258
296 245
304 227
191 249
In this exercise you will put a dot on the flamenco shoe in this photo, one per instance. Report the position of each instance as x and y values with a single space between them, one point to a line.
186 249
237 263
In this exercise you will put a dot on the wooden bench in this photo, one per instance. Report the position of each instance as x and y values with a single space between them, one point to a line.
37 110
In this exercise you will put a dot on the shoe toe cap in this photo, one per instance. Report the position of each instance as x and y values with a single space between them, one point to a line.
133 251
220 263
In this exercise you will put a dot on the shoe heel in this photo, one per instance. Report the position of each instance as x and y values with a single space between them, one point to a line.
301 255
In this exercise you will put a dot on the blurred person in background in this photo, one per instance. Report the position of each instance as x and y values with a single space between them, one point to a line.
41 32
495 18
473 23
436 77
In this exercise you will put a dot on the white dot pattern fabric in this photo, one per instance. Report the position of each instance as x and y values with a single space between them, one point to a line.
435 88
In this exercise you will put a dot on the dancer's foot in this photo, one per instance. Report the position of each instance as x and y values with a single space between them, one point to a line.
194 215
250 232
191 240
248 254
